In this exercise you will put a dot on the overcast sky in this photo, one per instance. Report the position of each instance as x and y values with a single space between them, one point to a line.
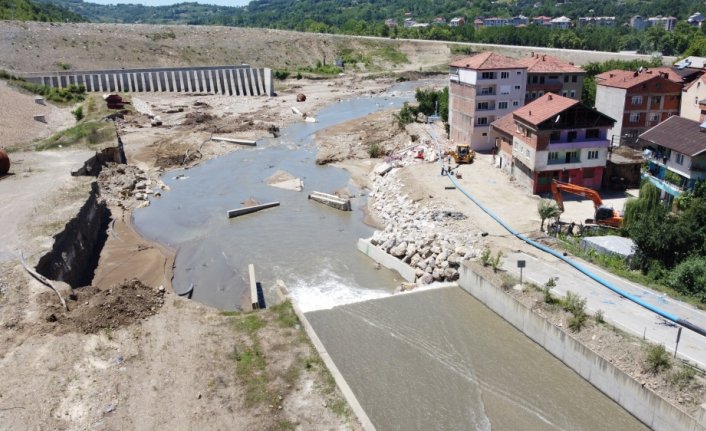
168 2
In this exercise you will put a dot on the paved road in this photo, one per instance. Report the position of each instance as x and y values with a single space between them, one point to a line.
618 311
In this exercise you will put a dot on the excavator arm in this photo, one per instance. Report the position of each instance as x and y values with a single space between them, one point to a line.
558 187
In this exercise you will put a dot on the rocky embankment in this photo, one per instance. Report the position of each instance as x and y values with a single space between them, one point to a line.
427 235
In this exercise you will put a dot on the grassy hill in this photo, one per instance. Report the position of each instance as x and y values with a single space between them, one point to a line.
26 10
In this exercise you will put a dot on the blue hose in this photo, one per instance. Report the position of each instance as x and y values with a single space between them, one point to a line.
574 264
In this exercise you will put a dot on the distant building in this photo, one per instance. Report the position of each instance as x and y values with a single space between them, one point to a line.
391 22
482 88
562 23
541 20
600 21
674 165
637 100
519 20
666 22
553 137
458 21
439 20
693 100
696 19
409 22
639 23
495 22
478 23
420 25
547 74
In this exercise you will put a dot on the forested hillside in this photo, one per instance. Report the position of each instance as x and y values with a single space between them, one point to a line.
25 10
367 17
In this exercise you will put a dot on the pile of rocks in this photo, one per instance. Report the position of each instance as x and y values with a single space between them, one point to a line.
127 185
427 237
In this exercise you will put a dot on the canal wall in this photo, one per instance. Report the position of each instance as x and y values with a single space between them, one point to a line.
642 403
240 80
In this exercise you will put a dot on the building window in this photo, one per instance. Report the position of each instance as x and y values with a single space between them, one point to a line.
535 79
592 133
656 100
696 100
574 78
637 100
487 75
533 95
566 79
593 154
540 93
553 155
573 134
504 75
482 106
487 90
515 103
555 136
654 117
679 158
572 94
634 117
502 105
517 87
484 134
541 80
563 93
482 121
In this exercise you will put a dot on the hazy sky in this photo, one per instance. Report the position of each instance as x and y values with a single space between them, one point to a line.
168 2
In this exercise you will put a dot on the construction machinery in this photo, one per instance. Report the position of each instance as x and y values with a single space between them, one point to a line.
463 154
605 215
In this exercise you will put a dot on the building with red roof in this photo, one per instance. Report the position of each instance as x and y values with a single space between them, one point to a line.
483 88
637 100
553 137
548 74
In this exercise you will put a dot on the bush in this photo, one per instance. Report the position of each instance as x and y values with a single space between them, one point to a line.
405 116
78 113
375 151
598 317
281 74
547 290
495 262
657 358
574 304
682 377
486 256
689 278
577 321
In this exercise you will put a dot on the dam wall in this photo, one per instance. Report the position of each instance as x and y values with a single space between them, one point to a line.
645 405
240 80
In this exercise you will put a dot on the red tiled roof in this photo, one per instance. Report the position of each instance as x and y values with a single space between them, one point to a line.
506 123
487 60
542 63
629 78
544 108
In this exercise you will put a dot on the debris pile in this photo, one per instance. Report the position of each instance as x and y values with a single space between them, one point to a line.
127 186
426 237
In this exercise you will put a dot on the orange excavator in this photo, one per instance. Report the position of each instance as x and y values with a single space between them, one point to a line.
605 215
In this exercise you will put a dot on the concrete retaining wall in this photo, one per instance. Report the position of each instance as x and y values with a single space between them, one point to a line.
388 261
229 80
642 403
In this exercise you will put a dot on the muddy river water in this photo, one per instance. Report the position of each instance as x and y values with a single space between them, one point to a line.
430 360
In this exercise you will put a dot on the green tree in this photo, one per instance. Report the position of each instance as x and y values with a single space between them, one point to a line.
547 209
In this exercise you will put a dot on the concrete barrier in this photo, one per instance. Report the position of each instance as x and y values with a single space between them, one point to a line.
252 209
641 402
209 79
388 261
331 200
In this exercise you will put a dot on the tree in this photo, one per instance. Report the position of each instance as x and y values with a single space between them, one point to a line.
547 209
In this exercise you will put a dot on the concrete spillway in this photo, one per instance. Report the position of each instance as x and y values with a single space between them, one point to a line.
240 80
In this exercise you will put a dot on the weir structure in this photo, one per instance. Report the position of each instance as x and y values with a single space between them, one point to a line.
242 80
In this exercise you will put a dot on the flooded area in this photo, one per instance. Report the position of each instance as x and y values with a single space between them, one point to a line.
438 359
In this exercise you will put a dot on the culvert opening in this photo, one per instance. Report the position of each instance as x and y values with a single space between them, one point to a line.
76 250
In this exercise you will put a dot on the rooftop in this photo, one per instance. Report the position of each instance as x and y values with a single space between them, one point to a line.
692 140
544 108
506 123
542 63
487 60
630 78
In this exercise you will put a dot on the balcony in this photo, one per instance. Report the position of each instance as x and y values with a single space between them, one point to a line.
661 184
578 144
564 161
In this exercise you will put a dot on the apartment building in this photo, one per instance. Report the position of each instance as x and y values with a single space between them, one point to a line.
637 100
553 137
483 88
547 74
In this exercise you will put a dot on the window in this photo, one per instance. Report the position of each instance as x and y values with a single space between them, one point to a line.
482 106
533 95
654 117
574 78
487 90
541 80
519 72
696 100
540 93
563 93
572 94
504 75
634 117
482 121
553 155
535 79
592 133
573 134
593 154
566 78
555 136
679 158
637 100
484 134
517 87
502 105
656 100
515 103
487 75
